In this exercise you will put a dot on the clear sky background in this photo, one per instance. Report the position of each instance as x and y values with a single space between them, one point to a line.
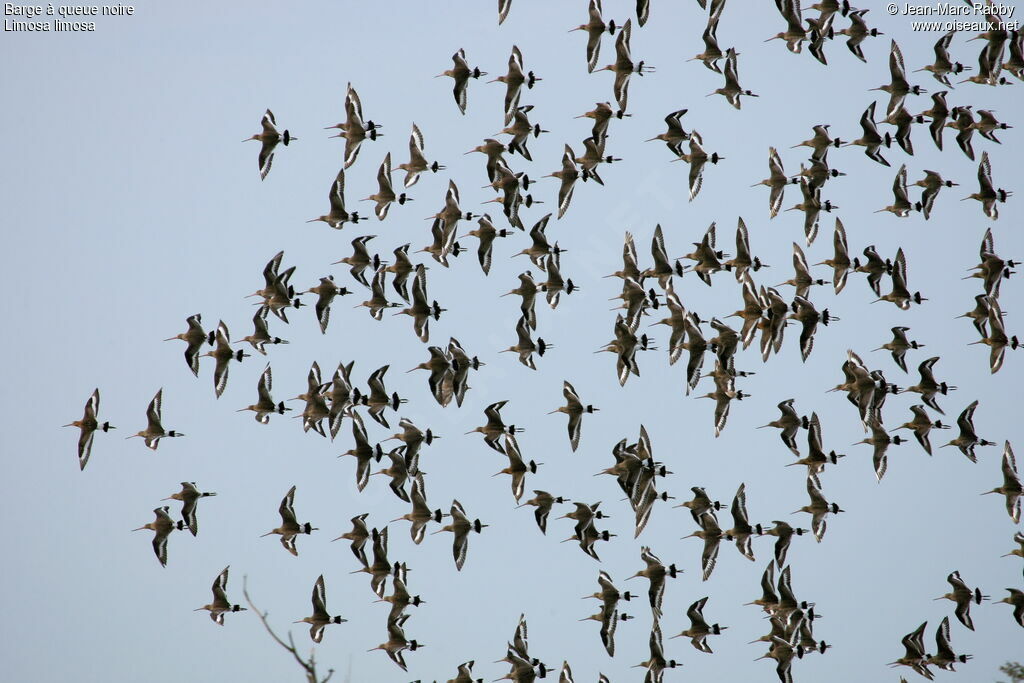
130 204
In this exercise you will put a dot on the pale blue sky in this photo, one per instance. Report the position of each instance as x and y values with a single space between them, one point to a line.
130 204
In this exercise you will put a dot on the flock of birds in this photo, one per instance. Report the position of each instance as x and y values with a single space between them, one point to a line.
646 287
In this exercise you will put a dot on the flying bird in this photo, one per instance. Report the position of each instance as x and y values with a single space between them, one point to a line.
88 426
162 527
461 73
269 138
290 527
189 497
154 430
320 618
220 605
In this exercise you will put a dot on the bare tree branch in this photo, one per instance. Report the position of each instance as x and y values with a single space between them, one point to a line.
308 665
